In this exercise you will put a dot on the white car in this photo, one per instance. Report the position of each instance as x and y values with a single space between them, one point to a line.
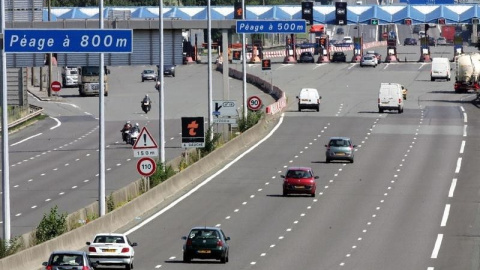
347 40
111 249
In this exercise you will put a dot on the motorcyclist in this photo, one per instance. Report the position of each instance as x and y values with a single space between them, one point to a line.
135 128
126 127
146 99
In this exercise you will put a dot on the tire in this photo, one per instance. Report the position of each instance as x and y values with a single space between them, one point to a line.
380 110
318 107
432 79
312 195
351 160
143 80
299 109
327 160
186 259
223 259
285 193
128 266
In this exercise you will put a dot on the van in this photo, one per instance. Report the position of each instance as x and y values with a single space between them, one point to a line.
70 76
308 99
390 97
440 69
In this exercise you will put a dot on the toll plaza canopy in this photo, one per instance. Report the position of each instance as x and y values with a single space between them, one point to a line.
356 14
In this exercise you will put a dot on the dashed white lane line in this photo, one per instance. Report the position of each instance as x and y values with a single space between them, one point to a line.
438 244
462 147
465 131
459 165
452 188
445 215
158 266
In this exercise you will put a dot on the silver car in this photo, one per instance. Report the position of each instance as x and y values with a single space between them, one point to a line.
369 60
340 148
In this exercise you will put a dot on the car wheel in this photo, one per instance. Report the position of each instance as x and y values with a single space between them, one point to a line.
327 160
299 109
318 107
143 80
223 259
432 79
351 160
128 267
313 194
186 258
285 193
380 110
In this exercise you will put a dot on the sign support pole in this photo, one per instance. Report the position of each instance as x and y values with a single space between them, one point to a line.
162 85
101 98
244 68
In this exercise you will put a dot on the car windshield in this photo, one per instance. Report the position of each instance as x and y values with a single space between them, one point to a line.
109 239
148 71
67 259
203 234
339 143
367 58
299 174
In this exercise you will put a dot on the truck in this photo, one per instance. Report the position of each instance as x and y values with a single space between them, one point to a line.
467 73
448 32
69 76
88 84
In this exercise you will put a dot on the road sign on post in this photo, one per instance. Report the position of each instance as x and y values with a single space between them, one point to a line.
146 166
256 26
68 41
55 86
145 146
193 132
266 64
254 103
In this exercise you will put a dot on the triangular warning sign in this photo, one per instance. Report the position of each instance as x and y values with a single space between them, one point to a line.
145 140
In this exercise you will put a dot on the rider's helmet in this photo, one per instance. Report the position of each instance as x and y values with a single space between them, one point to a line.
136 125
128 122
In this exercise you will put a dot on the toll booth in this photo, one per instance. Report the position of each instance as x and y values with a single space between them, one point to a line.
425 50
457 47
391 48
290 50
323 49
357 49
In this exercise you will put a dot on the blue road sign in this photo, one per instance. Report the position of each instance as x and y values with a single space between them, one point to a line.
68 41
286 27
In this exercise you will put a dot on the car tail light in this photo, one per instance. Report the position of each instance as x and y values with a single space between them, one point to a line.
189 242
86 268
219 243
476 86
456 86
125 250
399 100
378 100
49 267
92 249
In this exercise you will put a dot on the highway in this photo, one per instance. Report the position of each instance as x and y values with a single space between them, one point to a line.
408 201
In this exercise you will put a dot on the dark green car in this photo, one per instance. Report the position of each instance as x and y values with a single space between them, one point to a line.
206 243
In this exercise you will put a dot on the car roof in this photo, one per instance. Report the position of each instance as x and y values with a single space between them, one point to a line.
298 168
339 138
109 234
206 228
74 252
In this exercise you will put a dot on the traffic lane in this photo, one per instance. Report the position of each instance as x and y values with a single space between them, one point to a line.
250 191
458 248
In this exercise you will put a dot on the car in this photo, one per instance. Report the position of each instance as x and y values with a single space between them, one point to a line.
299 180
347 40
431 41
409 41
368 60
69 259
308 98
416 28
339 148
306 57
340 31
206 243
169 70
377 55
112 249
339 57
441 41
149 74
421 33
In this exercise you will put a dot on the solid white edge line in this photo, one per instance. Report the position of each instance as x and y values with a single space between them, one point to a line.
58 123
459 165
171 205
452 187
462 147
437 246
446 212
26 139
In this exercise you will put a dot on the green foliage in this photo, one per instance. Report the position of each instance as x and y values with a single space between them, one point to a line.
51 226
110 203
211 142
161 174
252 119
8 248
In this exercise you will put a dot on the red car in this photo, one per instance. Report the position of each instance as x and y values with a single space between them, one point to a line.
299 180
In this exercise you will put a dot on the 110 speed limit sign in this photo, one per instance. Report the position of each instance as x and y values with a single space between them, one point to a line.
146 166
254 103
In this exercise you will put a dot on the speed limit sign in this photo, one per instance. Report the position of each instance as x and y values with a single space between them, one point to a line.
254 103
146 166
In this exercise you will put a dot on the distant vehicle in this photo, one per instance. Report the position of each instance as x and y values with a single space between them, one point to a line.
431 41
149 74
306 57
309 99
206 243
339 57
441 41
377 55
368 60
358 2
70 77
440 69
409 41
112 249
467 73
390 97
167 70
89 83
340 148
347 40
448 32
421 33
416 28
299 180
67 259
340 31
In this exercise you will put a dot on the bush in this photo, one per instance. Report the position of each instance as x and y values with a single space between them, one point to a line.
51 226
8 248
211 142
110 203
161 174
252 119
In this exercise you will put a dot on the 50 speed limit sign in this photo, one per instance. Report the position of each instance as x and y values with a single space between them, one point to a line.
146 166
254 103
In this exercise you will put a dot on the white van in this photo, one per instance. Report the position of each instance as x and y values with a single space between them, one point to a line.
70 77
440 69
390 97
308 99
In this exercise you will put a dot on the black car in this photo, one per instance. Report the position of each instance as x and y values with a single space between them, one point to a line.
206 243
339 57
432 41
409 41
69 260
168 70
306 57
340 31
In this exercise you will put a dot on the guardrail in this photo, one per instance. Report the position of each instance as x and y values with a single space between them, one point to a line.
34 111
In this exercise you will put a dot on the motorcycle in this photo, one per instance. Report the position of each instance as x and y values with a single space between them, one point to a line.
125 135
146 106
133 136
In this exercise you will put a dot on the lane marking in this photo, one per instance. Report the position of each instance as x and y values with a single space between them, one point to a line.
452 187
445 215
26 139
57 125
465 131
437 246
459 165
462 147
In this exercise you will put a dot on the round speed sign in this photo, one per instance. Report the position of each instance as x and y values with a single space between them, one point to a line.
254 103
146 166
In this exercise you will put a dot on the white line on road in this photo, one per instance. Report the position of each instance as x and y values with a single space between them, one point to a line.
461 108
26 139
58 123
465 119
452 187
465 131
445 215
146 221
462 147
437 246
459 165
